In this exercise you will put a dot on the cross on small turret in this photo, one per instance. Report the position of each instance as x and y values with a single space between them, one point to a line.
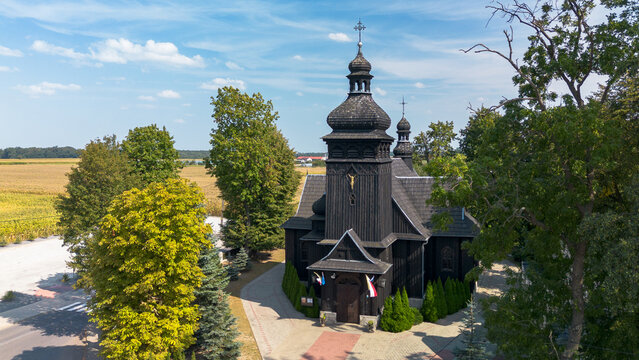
359 29
403 104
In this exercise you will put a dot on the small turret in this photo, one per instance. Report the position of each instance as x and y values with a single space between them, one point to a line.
404 148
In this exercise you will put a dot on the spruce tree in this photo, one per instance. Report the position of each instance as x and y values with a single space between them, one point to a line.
217 334
241 260
429 307
442 309
474 346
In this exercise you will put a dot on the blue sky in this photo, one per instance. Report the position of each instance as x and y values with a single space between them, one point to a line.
75 71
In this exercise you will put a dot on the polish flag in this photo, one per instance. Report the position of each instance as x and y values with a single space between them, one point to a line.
371 288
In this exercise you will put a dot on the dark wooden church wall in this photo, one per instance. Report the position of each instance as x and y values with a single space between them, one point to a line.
407 267
400 224
289 245
370 215
462 262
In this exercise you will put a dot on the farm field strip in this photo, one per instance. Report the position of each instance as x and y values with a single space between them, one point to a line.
29 187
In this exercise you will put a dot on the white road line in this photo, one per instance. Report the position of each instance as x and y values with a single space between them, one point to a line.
76 307
82 309
68 306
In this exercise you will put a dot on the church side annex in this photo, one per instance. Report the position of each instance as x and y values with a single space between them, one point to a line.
367 218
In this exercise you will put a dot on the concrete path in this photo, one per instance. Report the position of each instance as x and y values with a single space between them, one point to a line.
283 333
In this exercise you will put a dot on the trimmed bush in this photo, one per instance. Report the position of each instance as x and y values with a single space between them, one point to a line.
313 312
429 307
386 319
417 316
466 291
450 296
440 300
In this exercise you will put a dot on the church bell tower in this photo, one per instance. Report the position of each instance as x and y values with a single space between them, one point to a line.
358 168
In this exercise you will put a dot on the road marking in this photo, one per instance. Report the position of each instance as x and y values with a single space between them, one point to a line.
68 306
77 307
82 309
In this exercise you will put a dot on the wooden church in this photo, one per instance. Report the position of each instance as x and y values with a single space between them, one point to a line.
366 222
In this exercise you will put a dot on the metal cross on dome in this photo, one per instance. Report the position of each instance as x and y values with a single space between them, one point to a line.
403 104
359 29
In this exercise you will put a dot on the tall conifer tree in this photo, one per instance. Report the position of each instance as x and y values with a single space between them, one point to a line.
217 334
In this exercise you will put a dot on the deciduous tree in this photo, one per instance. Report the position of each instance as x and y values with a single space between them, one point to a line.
549 162
102 173
254 169
143 270
152 155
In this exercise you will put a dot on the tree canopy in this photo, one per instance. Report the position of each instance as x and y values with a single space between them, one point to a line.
102 173
151 152
544 164
254 169
143 270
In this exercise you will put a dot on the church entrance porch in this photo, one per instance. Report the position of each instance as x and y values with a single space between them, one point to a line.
348 291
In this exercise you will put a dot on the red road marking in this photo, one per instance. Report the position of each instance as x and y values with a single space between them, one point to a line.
45 293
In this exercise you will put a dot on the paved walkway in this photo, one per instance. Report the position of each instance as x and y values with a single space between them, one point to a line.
283 333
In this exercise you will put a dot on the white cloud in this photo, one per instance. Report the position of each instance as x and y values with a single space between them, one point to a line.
121 51
299 93
298 57
219 82
186 105
169 94
146 98
8 69
46 88
179 121
380 91
341 37
233 66
419 85
5 51
46 48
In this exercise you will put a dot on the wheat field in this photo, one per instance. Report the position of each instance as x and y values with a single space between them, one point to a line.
29 187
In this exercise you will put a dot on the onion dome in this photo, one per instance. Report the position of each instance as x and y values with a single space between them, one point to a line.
319 206
359 65
403 125
359 111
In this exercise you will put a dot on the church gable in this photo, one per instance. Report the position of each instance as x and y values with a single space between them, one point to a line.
349 248
348 255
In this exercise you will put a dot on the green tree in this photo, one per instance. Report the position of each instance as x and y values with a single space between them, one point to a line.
313 312
407 312
143 270
254 169
473 343
241 260
550 161
152 155
612 313
439 137
449 291
102 173
386 320
429 307
217 333
442 308
470 136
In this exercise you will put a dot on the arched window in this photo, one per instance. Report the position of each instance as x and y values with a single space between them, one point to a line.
447 258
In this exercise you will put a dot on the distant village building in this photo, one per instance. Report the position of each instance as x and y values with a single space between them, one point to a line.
366 220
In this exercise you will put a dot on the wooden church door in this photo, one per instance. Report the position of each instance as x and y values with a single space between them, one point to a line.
348 301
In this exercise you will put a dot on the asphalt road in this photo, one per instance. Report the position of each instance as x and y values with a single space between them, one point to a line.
56 335
38 323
